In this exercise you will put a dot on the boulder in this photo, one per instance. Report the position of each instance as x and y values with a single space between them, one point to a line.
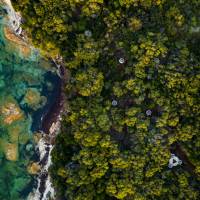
11 112
33 168
33 99
11 152
17 42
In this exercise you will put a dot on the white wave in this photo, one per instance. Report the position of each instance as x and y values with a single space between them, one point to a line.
48 188
14 17
14 21
49 191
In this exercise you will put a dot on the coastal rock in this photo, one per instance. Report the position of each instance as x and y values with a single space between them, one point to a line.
55 127
10 112
11 152
37 137
33 99
24 79
33 168
21 45
14 132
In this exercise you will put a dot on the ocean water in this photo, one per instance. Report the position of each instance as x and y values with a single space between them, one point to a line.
27 87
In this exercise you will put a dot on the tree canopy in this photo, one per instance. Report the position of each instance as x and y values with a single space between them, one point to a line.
133 95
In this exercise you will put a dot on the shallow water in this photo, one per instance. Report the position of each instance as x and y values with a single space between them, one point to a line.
27 88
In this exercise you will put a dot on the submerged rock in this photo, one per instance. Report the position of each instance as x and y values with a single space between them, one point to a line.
33 99
24 81
29 147
11 152
33 168
14 132
11 112
24 137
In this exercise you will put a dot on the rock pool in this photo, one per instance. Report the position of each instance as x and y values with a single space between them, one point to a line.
27 89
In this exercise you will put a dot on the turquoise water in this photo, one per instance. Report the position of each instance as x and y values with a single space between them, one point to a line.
26 89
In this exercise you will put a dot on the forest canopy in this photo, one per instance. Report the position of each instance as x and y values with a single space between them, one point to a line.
133 96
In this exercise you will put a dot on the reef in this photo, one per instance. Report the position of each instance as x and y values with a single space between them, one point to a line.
28 85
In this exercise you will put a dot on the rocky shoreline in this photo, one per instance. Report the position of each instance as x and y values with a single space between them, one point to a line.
50 124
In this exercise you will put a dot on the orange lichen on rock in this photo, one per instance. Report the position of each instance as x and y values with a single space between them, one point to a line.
32 97
10 35
11 113
33 168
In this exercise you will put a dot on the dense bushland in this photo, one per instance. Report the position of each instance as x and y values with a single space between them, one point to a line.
133 95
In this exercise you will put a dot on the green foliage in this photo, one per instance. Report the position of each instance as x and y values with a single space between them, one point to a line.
124 119
89 82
